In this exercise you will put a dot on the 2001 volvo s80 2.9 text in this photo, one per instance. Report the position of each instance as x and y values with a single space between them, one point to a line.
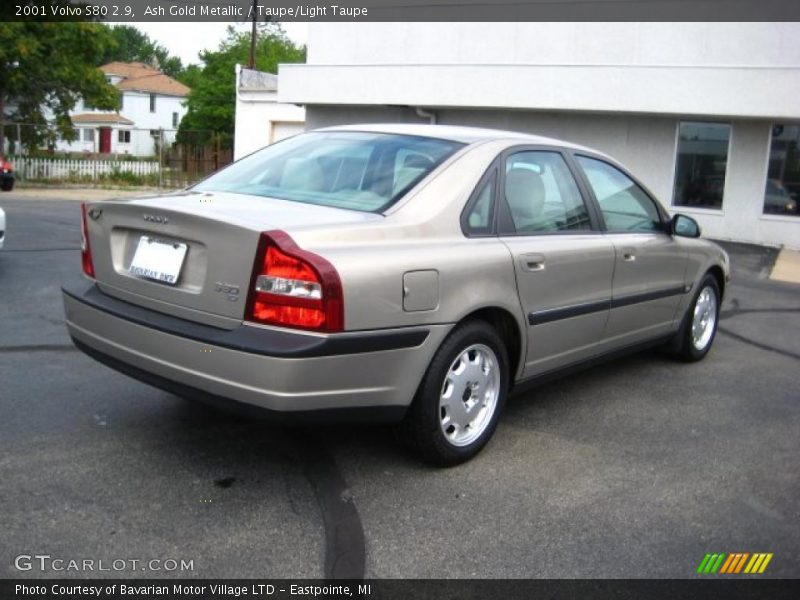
409 273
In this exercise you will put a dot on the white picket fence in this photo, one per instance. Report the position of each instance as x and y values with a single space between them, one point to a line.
66 169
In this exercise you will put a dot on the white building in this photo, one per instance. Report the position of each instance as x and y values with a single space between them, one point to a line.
260 118
706 114
151 106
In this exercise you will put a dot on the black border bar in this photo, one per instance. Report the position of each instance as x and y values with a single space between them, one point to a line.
129 11
712 587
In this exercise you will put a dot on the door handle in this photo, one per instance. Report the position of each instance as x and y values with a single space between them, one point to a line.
535 265
628 254
532 262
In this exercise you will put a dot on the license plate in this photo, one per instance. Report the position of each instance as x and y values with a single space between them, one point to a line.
160 260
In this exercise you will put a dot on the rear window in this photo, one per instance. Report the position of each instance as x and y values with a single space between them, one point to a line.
343 169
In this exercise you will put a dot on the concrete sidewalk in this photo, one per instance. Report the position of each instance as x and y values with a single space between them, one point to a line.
78 193
787 267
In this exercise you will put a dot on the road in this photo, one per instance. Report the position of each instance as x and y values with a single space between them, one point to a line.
636 468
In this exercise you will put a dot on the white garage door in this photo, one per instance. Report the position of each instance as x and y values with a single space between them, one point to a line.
284 129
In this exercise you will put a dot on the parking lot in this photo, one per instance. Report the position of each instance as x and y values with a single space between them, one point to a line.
636 468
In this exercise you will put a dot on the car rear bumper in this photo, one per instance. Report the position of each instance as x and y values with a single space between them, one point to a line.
284 374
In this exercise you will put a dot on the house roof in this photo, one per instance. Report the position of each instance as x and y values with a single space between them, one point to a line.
101 118
141 77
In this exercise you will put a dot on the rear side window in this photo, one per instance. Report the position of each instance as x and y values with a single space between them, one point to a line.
344 169
542 195
479 219
625 205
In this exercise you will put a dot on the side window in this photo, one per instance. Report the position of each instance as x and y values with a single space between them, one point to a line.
479 219
542 195
625 205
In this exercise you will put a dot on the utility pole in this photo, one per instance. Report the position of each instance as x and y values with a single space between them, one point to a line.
251 64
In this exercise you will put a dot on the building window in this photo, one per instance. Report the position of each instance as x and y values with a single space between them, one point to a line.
124 136
88 135
174 120
783 173
700 164
152 103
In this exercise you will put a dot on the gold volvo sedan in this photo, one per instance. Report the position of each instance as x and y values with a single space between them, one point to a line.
407 273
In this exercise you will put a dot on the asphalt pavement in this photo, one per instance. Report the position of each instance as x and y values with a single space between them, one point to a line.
635 468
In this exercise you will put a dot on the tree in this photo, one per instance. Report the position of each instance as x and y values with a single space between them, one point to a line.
44 69
190 76
132 45
211 105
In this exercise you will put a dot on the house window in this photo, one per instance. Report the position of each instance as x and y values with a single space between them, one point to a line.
782 192
152 103
701 163
88 135
174 120
124 136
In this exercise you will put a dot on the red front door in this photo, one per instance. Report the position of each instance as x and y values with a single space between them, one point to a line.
105 140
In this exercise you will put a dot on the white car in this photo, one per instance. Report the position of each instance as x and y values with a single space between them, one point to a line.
2 228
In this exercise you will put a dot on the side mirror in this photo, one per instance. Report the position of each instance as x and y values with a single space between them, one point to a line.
684 226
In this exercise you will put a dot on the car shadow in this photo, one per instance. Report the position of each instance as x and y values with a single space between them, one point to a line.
225 435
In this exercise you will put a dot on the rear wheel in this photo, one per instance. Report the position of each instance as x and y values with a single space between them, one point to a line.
7 185
459 401
700 323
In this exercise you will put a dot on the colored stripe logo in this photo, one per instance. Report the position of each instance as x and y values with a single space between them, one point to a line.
734 563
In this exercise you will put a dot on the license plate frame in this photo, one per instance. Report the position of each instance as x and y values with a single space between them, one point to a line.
158 259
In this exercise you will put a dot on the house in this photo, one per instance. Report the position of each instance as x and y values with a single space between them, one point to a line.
706 114
151 106
260 118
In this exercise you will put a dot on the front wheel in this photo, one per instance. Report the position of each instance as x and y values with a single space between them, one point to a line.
462 394
700 324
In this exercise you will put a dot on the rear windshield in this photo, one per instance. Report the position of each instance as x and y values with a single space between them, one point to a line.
344 169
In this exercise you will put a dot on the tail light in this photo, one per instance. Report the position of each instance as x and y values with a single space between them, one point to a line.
86 249
292 287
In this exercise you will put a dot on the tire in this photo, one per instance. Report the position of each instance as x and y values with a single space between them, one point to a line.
7 185
696 335
472 362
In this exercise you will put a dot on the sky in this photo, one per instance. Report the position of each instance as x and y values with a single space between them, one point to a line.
187 39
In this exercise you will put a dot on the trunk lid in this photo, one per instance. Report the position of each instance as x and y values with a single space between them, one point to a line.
220 232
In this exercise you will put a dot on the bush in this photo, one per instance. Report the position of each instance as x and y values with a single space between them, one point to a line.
116 177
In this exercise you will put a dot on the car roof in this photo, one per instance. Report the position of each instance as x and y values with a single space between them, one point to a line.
456 133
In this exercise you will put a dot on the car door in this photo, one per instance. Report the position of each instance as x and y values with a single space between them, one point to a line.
649 265
563 263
